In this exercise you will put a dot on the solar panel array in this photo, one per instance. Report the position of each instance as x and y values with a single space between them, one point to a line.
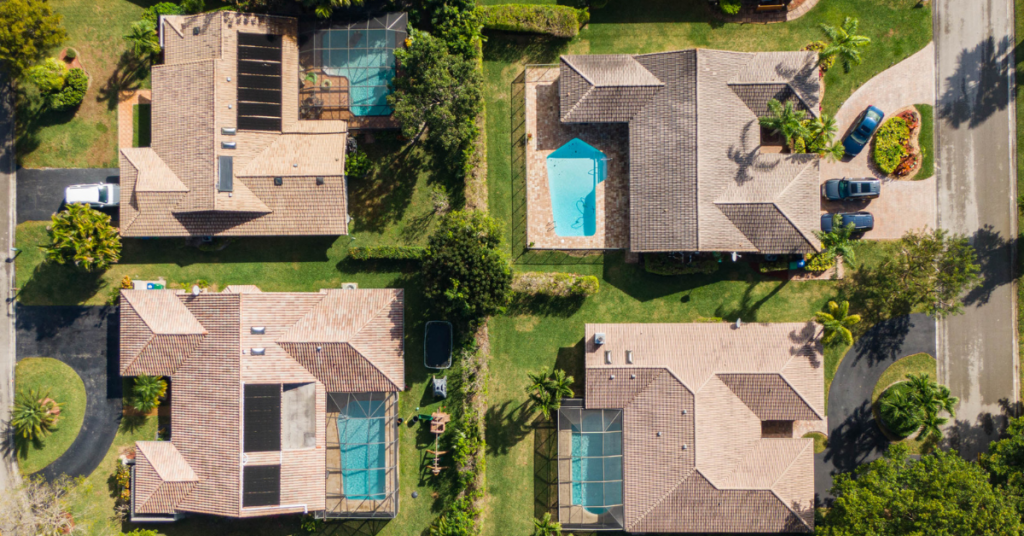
262 419
259 81
261 485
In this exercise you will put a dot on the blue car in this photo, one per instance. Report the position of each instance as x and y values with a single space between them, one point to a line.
859 136
862 221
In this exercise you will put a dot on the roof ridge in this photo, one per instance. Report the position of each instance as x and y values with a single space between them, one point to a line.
142 348
776 373
797 391
796 515
573 67
664 496
778 206
384 308
580 101
374 365
809 444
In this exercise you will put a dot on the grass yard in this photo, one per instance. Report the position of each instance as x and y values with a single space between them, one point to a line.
897 372
820 441
58 381
927 141
142 126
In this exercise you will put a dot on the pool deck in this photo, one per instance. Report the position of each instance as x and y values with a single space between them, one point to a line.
546 133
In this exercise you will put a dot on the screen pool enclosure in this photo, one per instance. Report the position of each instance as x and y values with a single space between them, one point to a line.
349 65
590 443
367 455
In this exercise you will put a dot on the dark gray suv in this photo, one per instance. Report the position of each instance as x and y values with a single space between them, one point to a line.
862 221
851 189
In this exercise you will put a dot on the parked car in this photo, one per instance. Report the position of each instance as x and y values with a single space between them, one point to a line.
847 189
95 195
862 221
861 134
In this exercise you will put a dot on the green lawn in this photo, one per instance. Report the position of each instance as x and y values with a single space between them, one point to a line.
927 140
820 441
61 383
142 116
897 372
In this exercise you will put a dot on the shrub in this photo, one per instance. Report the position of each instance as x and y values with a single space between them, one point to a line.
146 392
310 524
357 164
75 85
70 54
890 144
558 21
191 7
84 237
367 253
820 262
662 264
824 62
555 284
439 198
773 266
48 76
901 417
31 418
152 13
730 7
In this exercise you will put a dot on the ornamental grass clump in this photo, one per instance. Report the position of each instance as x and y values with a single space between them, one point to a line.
34 415
84 237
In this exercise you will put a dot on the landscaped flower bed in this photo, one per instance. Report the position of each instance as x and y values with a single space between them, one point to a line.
896 151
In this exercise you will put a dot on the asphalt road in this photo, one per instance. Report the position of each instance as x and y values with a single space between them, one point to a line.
41 191
977 194
854 436
8 469
87 340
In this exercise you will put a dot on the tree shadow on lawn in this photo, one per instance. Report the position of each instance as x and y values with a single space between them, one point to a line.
748 307
241 250
571 360
642 285
381 197
59 284
543 305
127 76
507 425
645 11
510 47
33 116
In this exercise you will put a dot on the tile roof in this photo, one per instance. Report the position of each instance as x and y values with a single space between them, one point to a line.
710 387
199 470
694 145
170 189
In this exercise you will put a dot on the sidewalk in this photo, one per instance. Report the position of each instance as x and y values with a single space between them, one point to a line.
8 469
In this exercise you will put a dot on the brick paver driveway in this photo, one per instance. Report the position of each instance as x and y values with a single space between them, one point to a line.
903 205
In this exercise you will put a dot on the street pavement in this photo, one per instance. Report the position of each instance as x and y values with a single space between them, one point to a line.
8 468
975 131
41 191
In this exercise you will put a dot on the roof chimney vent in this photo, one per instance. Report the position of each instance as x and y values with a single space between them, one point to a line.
195 30
196 290
278 181
629 356
258 331
319 181
259 351
739 323
607 357
599 339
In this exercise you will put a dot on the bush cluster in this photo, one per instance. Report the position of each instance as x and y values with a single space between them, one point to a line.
559 21
123 477
773 266
901 425
662 264
71 95
820 262
555 284
890 144
152 13
730 7
367 253
357 164
824 62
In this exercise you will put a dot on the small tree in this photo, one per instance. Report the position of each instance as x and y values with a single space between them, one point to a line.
28 30
916 404
82 236
41 508
546 526
1004 462
466 273
839 241
837 323
940 494
31 416
48 76
546 391
785 119
146 392
844 44
143 41
436 90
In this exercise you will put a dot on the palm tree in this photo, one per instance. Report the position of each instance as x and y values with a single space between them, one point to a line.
785 119
146 392
143 40
844 43
30 417
838 241
83 236
821 130
899 407
547 390
946 402
931 427
546 526
837 323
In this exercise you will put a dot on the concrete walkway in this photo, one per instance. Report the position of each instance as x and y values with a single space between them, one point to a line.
8 465
854 436
904 205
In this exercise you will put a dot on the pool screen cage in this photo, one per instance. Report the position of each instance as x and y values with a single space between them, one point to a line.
380 406
589 467
345 67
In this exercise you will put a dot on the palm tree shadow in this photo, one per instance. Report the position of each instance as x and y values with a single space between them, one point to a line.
127 76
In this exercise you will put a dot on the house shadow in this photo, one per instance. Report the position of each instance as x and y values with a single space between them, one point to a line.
240 250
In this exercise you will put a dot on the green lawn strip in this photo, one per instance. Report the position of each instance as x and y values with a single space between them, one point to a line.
62 384
141 125
833 356
926 140
897 372
820 441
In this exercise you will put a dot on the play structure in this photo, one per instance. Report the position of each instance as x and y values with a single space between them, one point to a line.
437 421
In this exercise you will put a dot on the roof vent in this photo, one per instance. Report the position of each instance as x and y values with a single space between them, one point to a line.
599 339
319 181
629 356
612 377
684 412
258 331
349 286
195 30
228 131
685 447
659 434
607 357
259 351
227 145
278 181
196 290
632 376
739 323
318 348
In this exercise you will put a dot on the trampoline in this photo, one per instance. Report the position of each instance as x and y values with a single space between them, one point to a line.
437 345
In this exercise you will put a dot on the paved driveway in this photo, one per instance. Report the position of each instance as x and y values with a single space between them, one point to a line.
41 191
86 339
854 437
903 205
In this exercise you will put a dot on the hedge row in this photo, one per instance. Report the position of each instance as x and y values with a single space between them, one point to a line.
555 284
662 264
386 253
559 21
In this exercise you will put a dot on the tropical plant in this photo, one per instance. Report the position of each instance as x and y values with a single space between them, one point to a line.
839 241
837 323
900 411
821 131
546 526
844 44
28 29
785 119
190 7
143 40
890 146
84 237
48 76
76 83
730 7
146 392
357 164
31 417
915 405
325 8
546 391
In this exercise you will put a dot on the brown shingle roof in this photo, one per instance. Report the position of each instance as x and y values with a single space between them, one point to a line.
727 380
170 189
207 381
694 138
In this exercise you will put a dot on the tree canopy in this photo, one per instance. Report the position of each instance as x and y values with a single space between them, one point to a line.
436 90
940 495
1004 462
28 29
466 274
84 237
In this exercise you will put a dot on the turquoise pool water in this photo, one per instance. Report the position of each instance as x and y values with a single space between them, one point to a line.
367 59
574 171
361 434
597 462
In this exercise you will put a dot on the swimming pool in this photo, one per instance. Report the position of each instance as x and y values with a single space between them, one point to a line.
362 438
574 171
597 460
367 59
